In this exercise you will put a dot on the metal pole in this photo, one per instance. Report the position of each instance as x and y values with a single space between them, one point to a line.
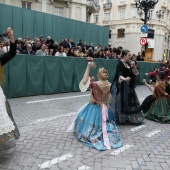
146 15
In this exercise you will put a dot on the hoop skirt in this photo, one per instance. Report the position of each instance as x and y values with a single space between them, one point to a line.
8 129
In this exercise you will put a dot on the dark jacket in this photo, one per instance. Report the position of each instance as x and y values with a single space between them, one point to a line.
26 52
4 58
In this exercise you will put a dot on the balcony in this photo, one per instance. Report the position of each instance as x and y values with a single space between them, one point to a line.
107 5
122 3
132 2
92 6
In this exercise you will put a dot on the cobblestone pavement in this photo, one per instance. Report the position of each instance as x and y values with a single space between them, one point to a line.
45 144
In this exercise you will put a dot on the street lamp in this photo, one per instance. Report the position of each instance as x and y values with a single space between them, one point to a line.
145 5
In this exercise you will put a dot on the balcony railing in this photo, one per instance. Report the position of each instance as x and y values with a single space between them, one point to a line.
107 5
92 6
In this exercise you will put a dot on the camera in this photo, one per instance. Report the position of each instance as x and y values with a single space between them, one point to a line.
5 34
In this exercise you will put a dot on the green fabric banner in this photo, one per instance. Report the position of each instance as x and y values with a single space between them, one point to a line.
27 22
35 75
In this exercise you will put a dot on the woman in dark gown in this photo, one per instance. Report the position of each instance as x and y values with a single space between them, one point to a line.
124 102
8 129
157 106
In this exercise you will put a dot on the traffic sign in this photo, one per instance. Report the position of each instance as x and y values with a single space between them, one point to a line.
143 41
143 35
144 29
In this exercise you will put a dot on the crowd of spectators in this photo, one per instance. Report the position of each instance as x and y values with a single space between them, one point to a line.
66 48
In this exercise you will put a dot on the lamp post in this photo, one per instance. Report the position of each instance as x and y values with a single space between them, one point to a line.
145 5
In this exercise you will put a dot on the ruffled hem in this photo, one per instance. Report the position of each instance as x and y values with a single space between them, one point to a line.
6 129
6 124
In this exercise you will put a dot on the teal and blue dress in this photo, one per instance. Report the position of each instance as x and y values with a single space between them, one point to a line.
92 125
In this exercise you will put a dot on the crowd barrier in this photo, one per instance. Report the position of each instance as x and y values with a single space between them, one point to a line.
28 75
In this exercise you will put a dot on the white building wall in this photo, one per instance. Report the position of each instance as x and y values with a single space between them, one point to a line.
48 7
131 41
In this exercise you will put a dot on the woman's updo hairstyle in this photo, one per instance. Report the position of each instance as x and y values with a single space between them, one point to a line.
161 74
103 74
124 53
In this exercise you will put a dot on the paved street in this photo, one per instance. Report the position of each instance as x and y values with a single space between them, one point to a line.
45 144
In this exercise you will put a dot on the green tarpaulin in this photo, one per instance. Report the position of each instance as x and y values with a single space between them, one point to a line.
28 22
35 75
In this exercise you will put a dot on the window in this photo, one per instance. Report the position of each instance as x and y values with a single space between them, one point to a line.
120 33
122 14
110 33
26 5
134 12
150 14
96 2
59 11
107 16
108 1
150 33
96 18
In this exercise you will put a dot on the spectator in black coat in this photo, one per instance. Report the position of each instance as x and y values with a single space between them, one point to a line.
80 44
36 46
139 57
50 42
28 50
55 48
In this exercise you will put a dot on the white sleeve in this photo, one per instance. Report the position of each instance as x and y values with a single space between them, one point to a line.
84 87
56 54
119 80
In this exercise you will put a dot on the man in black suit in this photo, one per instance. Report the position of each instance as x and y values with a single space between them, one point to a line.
80 44
28 50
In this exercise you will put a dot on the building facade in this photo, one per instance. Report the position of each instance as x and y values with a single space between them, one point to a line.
124 21
73 9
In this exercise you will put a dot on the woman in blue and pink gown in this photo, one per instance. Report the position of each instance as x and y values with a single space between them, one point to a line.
92 125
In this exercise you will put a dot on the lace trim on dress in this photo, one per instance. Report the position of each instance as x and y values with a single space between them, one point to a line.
6 125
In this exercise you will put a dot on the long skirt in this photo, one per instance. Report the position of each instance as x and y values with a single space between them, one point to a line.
159 110
88 128
124 104
8 128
